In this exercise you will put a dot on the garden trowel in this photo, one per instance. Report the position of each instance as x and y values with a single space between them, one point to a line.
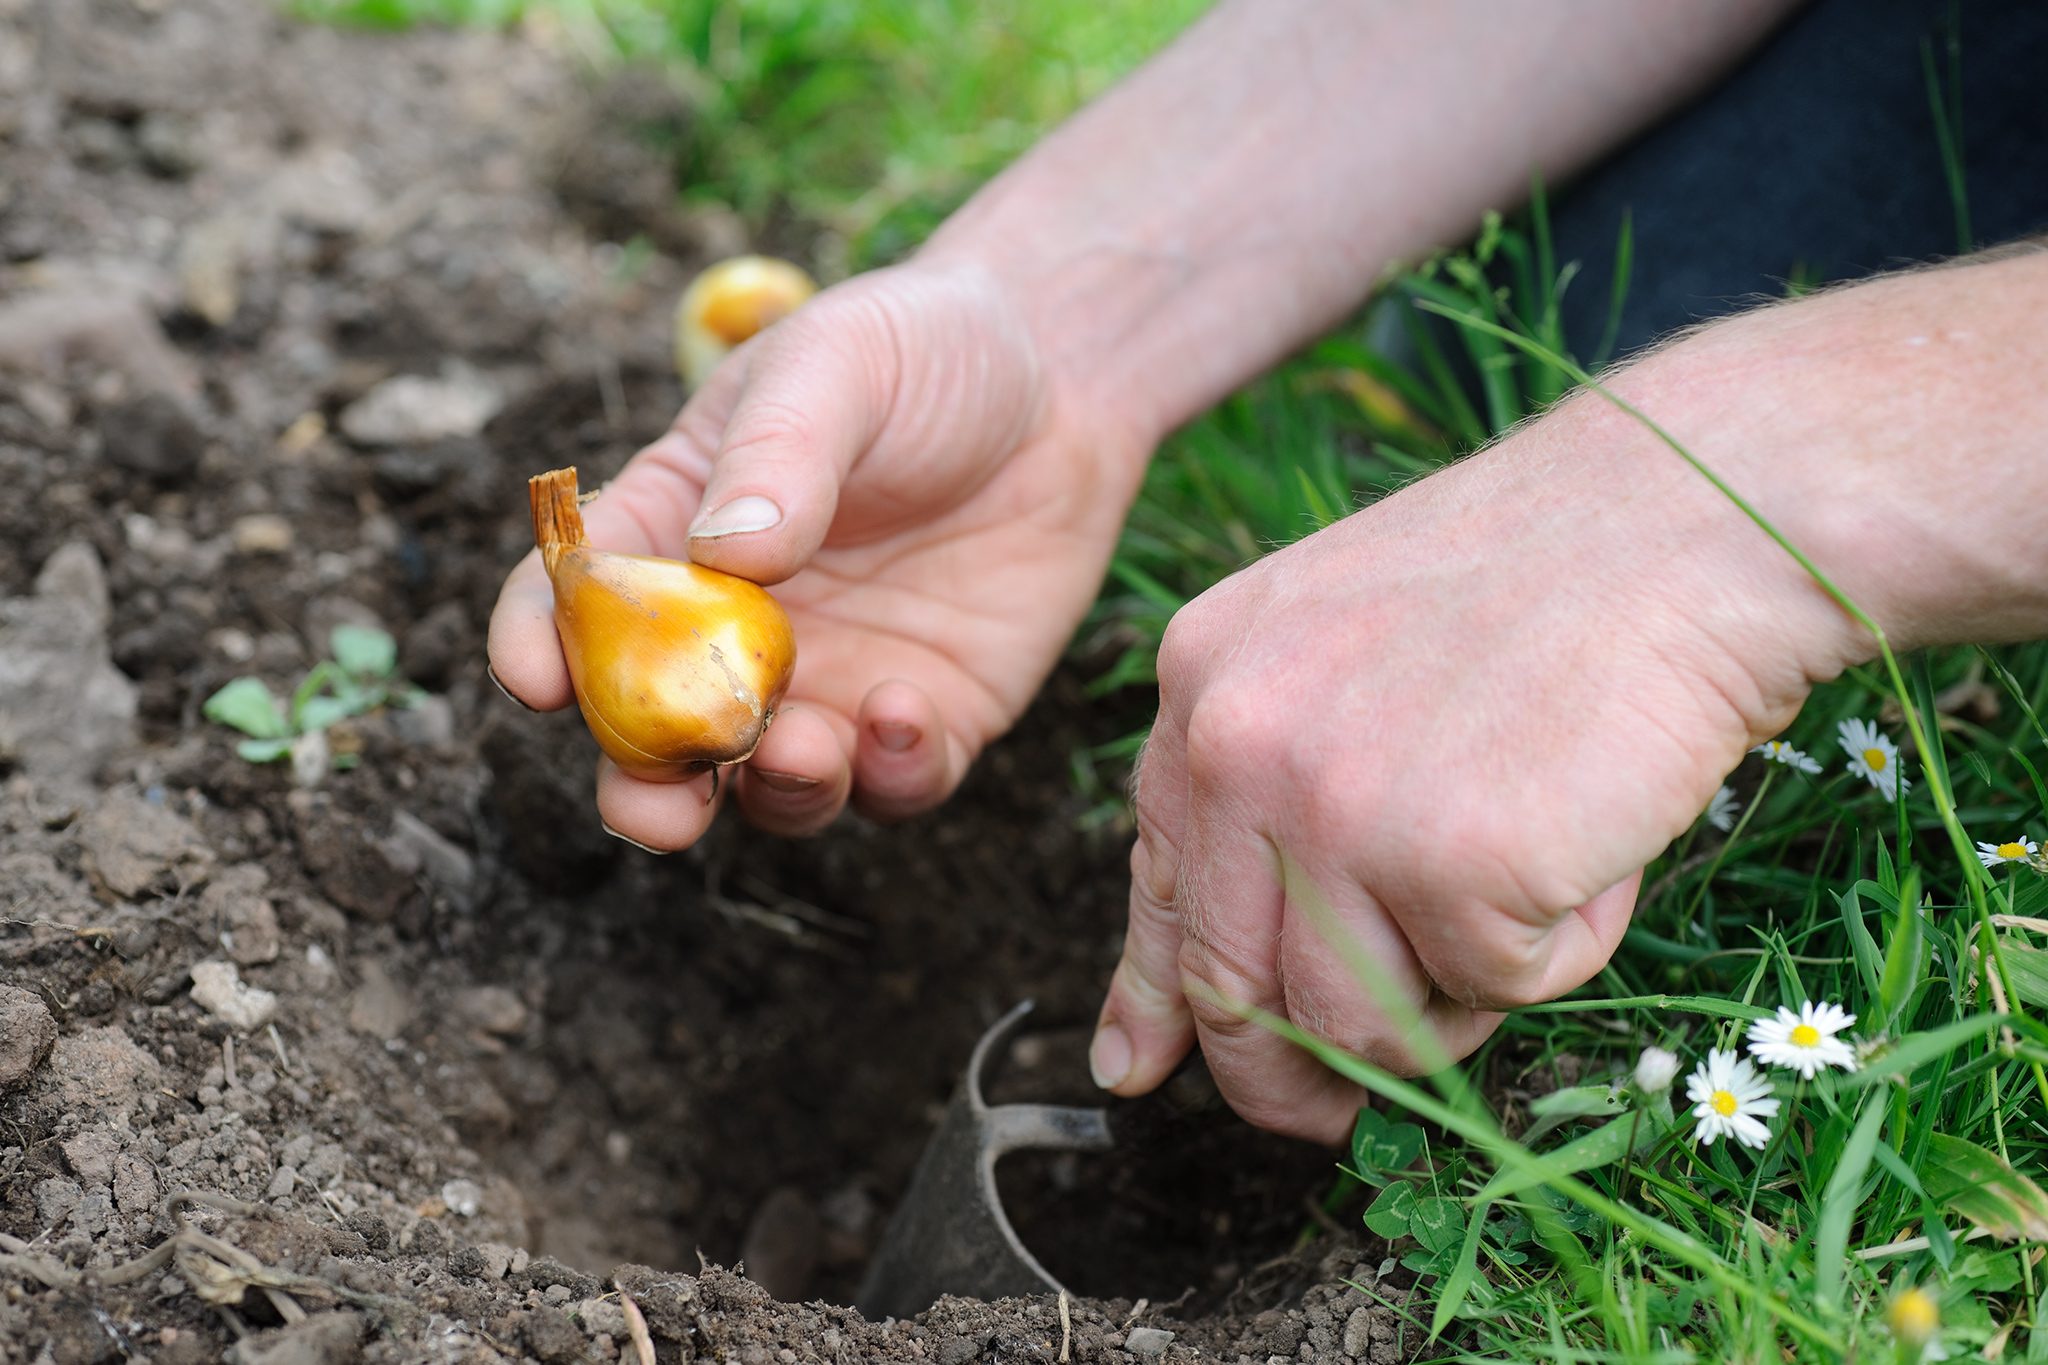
950 1234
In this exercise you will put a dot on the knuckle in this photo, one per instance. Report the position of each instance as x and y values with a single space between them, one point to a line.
1231 728
1183 657
1152 885
767 426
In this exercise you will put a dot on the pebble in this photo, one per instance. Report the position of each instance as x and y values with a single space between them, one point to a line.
235 900
463 1197
218 988
26 1033
1148 1342
262 533
493 1009
282 1183
416 848
411 409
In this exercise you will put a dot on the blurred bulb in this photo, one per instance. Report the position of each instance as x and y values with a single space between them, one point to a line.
731 302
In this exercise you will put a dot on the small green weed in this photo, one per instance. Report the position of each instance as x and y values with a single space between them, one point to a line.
360 677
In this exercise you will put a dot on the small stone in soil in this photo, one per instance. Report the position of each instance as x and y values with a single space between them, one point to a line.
262 533
1148 1342
26 1033
411 409
462 1197
218 988
492 1009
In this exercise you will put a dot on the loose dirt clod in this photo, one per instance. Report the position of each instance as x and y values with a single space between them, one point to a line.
26 1032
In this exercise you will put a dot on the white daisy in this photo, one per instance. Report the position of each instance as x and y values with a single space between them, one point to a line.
1722 810
1655 1070
1730 1098
1778 751
1873 757
1804 1042
2013 851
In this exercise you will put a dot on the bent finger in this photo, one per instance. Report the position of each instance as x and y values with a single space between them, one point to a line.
906 760
797 781
660 817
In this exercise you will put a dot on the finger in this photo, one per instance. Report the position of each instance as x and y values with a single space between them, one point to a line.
906 761
798 780
1586 940
524 651
660 817
1145 1027
814 396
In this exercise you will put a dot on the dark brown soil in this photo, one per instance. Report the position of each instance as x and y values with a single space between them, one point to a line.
511 1063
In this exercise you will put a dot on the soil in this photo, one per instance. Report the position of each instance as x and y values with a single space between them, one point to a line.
413 1063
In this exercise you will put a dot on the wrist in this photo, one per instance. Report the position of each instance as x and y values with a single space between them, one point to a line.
1891 431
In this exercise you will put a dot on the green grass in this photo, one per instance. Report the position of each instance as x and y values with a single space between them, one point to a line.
868 121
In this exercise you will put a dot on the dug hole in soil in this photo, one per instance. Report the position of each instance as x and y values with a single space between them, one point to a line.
415 1063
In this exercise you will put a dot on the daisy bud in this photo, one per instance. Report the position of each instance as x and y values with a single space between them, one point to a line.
1914 1317
1655 1070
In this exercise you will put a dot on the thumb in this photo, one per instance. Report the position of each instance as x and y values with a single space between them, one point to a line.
1146 1027
813 399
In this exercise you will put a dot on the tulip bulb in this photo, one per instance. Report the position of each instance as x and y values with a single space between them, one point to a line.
729 303
678 668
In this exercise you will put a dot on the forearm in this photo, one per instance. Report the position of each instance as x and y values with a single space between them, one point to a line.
1895 431
1248 186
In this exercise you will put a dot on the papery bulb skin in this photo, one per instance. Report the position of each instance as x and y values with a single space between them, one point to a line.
677 668
731 302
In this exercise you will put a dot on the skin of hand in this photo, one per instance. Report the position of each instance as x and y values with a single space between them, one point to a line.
1453 727
935 510
948 448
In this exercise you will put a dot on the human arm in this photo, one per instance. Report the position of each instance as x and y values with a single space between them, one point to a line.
936 458
1462 720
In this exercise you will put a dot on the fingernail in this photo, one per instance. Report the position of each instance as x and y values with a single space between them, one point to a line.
492 673
1109 1056
896 735
657 852
750 513
786 782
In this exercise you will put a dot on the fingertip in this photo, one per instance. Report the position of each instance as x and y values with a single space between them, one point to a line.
798 780
905 759
1142 1033
660 817
524 652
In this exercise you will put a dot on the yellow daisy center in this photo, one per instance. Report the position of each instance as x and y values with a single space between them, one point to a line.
1805 1035
2012 850
1875 760
1723 1102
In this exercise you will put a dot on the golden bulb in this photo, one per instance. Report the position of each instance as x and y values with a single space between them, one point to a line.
677 668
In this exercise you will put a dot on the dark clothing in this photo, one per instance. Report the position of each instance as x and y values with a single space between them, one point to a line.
1816 159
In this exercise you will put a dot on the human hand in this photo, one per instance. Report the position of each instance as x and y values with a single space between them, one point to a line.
1452 729
935 508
